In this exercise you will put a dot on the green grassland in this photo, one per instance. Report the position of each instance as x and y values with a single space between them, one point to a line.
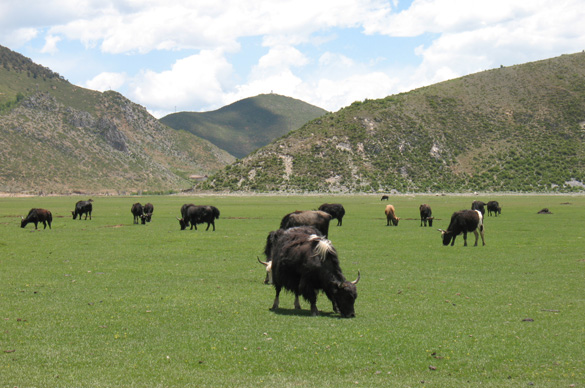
105 303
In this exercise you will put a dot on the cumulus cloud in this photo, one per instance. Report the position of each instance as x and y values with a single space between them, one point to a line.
106 81
302 55
198 80
51 44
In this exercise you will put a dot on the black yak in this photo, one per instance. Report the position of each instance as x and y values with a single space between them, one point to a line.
147 212
303 261
494 207
81 208
463 221
35 216
335 210
426 215
198 214
315 218
137 211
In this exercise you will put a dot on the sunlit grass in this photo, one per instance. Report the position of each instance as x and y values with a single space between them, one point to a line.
106 303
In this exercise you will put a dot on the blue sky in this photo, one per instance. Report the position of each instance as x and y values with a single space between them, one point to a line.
201 55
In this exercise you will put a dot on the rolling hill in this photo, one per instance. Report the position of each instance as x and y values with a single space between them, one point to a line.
248 124
518 128
59 138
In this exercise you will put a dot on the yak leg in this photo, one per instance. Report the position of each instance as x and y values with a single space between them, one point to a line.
476 237
313 301
36 223
276 299
297 304
482 237
465 238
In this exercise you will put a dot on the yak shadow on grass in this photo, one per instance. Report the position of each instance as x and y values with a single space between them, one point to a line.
303 313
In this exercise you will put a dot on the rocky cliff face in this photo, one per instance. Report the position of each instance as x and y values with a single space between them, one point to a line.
116 146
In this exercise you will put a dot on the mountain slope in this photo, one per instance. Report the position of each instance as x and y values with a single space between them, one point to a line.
57 137
520 128
248 124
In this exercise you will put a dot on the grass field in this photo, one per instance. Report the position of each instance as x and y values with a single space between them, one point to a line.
105 303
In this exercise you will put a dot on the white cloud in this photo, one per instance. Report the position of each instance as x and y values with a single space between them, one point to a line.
51 44
303 55
106 81
198 80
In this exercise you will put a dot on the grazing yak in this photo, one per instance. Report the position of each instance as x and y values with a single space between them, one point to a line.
35 216
184 213
391 215
304 262
478 205
384 198
137 211
198 214
426 214
494 207
81 208
335 210
315 218
463 221
147 212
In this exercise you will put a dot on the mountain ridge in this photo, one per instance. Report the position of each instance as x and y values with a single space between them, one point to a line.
246 125
59 138
518 128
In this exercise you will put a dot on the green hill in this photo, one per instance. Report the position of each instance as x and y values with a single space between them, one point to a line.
59 138
246 125
519 128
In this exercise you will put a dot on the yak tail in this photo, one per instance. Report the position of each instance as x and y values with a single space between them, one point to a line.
323 246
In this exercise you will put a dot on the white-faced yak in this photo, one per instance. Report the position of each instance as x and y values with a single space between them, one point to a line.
304 262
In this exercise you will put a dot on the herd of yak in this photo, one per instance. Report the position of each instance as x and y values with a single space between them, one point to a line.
299 257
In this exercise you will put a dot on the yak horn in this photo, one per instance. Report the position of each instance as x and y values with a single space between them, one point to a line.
179 218
358 278
262 262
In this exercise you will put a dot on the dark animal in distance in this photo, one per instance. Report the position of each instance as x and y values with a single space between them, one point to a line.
36 215
494 207
83 207
315 218
391 215
137 211
335 210
463 221
199 214
184 213
478 205
384 198
426 215
304 262
147 212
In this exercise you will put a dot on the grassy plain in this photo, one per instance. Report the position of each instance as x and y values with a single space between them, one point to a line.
105 303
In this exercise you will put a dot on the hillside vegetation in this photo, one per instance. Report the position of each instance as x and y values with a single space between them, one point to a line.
248 124
59 138
519 128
